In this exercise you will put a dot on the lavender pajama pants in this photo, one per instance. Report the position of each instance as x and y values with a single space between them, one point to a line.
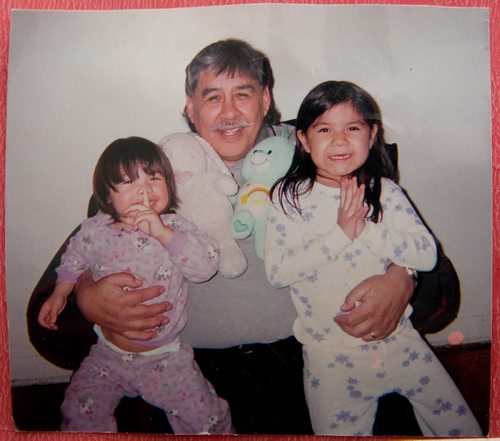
171 381
342 386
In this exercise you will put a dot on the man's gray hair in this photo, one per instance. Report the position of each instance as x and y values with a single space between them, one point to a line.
232 56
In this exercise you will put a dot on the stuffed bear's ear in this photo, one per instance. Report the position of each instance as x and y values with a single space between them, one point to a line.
181 176
185 151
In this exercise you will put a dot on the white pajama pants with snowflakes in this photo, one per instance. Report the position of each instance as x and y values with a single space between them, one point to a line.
171 381
343 384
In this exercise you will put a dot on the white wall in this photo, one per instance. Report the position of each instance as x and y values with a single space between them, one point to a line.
78 80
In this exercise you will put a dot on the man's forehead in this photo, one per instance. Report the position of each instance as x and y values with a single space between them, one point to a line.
216 79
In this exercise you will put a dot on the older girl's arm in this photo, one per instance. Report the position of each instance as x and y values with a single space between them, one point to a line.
289 257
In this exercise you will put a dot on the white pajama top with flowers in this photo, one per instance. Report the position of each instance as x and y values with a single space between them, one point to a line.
311 254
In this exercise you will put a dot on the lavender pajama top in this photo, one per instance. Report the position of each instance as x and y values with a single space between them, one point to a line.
105 249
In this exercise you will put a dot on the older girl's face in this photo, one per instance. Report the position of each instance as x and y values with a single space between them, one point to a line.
339 142
148 190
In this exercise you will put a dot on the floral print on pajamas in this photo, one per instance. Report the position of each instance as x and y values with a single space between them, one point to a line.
343 384
343 376
161 373
171 381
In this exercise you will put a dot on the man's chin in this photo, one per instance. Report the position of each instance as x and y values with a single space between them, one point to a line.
232 151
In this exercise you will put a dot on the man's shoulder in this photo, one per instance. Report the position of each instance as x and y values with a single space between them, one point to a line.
283 129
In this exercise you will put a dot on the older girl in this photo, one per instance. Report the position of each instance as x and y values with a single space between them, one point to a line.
338 218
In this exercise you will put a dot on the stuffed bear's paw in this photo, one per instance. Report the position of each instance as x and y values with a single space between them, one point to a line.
242 224
232 262
226 185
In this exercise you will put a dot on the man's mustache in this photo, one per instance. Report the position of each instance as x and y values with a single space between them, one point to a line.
231 124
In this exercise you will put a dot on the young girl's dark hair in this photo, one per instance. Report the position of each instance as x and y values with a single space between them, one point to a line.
126 156
302 173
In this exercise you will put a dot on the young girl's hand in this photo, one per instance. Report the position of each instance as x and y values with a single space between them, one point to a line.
149 222
352 210
51 309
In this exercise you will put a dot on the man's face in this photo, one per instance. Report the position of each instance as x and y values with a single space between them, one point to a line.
228 111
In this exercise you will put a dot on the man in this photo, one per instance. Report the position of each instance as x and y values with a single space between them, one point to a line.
252 359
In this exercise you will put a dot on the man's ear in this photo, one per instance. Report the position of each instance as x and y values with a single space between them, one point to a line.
189 108
266 100
303 140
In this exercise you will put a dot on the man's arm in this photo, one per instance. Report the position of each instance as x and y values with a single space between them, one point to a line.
120 311
382 301
116 302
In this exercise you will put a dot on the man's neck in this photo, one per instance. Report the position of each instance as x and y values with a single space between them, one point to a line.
230 164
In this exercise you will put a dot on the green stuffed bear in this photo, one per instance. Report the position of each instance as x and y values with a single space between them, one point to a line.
268 161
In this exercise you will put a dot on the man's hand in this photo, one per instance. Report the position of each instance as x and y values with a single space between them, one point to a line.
115 303
380 300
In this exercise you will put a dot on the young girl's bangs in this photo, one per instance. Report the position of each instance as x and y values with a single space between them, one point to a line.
123 160
129 168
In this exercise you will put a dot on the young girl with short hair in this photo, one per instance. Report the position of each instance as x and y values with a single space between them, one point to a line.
137 231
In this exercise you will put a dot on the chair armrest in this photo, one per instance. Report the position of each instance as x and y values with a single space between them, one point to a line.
67 346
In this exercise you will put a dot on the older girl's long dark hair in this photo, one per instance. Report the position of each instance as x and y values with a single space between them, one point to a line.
300 177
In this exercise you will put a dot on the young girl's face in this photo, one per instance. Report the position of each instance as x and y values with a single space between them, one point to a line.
339 142
147 190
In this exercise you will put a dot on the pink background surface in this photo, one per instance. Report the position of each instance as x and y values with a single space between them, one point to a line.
7 429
